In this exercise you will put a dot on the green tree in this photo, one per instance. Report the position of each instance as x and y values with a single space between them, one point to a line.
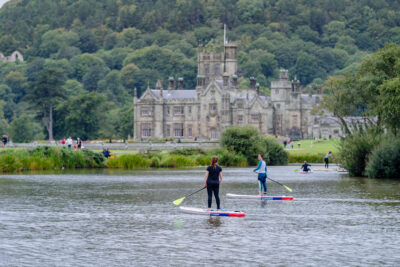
46 93
23 129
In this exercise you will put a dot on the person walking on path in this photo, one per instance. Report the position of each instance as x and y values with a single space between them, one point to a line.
69 142
262 174
212 180
327 156
4 141
79 143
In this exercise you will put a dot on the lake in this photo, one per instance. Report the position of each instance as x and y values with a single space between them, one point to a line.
114 218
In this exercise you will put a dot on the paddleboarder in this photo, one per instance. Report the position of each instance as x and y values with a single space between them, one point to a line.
212 180
306 167
262 174
327 156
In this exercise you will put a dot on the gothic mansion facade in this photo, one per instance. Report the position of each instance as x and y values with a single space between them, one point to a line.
217 103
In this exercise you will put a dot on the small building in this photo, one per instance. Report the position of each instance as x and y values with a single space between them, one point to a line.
15 56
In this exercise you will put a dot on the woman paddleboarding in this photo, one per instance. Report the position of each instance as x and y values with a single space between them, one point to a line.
212 180
262 174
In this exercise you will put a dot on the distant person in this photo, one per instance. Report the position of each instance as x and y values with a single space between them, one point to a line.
79 143
327 156
262 174
212 180
69 142
298 144
4 141
306 167
106 153
292 144
284 144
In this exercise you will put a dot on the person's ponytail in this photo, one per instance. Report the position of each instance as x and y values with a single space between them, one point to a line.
214 161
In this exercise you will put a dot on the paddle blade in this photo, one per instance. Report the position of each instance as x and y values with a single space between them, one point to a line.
288 188
179 201
296 170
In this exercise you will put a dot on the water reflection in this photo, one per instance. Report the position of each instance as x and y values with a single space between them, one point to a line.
214 221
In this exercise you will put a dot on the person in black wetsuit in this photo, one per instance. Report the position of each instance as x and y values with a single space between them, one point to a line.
212 180
306 167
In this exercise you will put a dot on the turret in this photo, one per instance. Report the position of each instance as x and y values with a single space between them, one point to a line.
171 83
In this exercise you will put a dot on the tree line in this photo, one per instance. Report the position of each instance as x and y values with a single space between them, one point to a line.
103 49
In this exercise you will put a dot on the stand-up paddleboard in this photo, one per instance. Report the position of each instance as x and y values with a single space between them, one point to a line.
208 212
260 197
301 172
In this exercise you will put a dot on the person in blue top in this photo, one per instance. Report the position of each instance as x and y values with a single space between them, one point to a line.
327 156
262 174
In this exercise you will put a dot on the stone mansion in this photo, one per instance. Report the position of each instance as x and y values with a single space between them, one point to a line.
217 103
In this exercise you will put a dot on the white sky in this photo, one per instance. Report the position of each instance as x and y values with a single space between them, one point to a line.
2 2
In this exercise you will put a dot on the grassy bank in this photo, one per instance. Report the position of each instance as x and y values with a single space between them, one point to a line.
48 158
312 151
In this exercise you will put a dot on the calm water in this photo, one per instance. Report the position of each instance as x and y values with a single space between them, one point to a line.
127 218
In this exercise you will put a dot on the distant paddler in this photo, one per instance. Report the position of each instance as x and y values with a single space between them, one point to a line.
327 156
306 167
262 174
212 180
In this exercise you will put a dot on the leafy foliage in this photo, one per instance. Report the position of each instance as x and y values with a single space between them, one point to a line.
384 161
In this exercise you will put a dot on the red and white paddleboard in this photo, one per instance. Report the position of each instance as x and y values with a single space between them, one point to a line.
209 212
258 197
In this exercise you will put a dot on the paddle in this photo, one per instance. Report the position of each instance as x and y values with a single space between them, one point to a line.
180 200
296 170
285 186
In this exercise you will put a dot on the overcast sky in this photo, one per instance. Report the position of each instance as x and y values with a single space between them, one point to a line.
2 2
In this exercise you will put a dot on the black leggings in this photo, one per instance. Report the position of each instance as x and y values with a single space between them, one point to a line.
210 189
327 163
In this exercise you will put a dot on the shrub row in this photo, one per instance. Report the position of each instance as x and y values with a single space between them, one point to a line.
48 158
310 158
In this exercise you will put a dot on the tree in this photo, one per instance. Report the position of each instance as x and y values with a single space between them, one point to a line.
46 93
23 129
84 114
18 84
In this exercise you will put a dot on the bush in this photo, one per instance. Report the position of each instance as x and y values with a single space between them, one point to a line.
133 161
246 140
243 140
384 161
355 150
229 159
9 163
203 160
274 154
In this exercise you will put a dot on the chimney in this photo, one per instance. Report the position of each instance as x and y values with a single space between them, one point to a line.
225 78
171 83
235 80
180 83
135 92
310 91
258 88
253 83
283 75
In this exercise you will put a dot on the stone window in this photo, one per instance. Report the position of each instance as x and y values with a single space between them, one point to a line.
145 111
216 69
277 91
206 68
190 110
189 131
240 119
168 111
336 131
146 129
179 111
167 131
278 105
178 130
213 133
295 120
240 104
255 118
213 108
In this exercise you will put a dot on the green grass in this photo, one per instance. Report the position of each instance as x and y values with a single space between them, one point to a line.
319 146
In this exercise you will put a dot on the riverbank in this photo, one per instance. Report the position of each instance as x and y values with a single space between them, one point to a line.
57 157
